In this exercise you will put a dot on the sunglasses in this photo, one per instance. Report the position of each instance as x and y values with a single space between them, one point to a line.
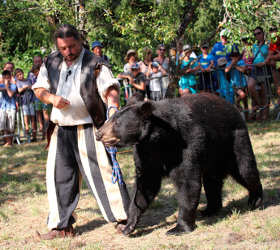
162 49
257 33
205 47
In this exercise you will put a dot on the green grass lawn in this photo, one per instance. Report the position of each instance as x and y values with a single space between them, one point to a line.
24 206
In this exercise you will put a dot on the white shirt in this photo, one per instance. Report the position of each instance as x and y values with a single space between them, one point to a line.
69 88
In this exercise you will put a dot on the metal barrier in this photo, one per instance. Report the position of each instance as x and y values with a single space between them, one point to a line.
19 136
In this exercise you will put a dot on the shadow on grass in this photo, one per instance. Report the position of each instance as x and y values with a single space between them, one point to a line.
156 217
90 226
22 171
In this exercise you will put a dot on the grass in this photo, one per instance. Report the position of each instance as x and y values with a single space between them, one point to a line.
24 206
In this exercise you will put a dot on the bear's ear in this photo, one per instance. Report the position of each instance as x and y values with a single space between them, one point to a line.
146 109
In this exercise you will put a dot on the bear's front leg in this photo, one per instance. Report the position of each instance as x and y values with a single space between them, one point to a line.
146 190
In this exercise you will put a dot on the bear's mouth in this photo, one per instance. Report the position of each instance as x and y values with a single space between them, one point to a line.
110 141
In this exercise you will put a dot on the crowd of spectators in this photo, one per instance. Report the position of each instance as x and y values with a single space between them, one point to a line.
16 95
234 72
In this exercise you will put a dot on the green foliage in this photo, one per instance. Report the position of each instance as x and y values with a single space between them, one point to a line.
27 26
244 16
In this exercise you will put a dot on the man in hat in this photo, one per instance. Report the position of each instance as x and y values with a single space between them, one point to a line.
81 88
96 48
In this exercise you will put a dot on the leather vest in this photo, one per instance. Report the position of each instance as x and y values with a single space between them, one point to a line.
88 90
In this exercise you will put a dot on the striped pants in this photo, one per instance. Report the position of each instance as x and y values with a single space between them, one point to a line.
74 154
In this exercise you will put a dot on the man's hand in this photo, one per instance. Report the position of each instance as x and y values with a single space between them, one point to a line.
46 97
59 102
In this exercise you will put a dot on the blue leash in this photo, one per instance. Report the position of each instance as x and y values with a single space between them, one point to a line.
116 170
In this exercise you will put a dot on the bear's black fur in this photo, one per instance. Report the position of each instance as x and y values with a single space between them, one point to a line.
193 140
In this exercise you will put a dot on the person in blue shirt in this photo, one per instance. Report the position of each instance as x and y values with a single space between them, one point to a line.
188 67
256 81
223 48
221 52
236 68
8 107
206 63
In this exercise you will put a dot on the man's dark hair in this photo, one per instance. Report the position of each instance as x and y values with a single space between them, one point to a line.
65 31
6 73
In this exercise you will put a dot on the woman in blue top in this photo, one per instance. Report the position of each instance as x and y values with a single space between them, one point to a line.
236 68
256 86
188 67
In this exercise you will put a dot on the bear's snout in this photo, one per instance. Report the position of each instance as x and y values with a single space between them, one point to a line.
98 135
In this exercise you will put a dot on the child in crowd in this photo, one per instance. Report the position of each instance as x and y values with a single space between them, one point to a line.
155 74
136 79
236 68
188 67
27 102
206 63
41 109
8 107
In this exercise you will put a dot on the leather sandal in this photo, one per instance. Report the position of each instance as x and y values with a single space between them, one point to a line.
57 233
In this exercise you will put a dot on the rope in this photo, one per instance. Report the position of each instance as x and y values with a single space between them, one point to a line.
116 170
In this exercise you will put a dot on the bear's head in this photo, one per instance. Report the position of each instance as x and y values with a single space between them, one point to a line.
128 126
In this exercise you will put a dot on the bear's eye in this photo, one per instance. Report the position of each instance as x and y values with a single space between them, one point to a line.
116 122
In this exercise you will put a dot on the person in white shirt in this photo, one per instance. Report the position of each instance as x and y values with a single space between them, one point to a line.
81 87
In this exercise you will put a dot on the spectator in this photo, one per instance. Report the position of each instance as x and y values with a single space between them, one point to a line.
247 56
147 60
223 48
10 67
136 79
155 74
96 48
188 66
256 85
236 68
27 103
163 60
206 63
221 51
274 57
144 67
131 58
42 112
8 107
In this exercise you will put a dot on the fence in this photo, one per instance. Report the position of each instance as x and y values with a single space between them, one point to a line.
19 136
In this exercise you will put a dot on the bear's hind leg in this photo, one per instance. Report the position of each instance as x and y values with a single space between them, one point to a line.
213 190
188 194
250 180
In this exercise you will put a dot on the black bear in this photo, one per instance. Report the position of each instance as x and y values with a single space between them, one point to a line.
193 140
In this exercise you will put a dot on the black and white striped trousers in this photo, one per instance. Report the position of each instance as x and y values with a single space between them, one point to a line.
74 154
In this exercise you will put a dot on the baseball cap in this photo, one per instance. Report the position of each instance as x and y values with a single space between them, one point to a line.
155 64
96 44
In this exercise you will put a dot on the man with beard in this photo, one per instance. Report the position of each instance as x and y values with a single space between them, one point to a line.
81 87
